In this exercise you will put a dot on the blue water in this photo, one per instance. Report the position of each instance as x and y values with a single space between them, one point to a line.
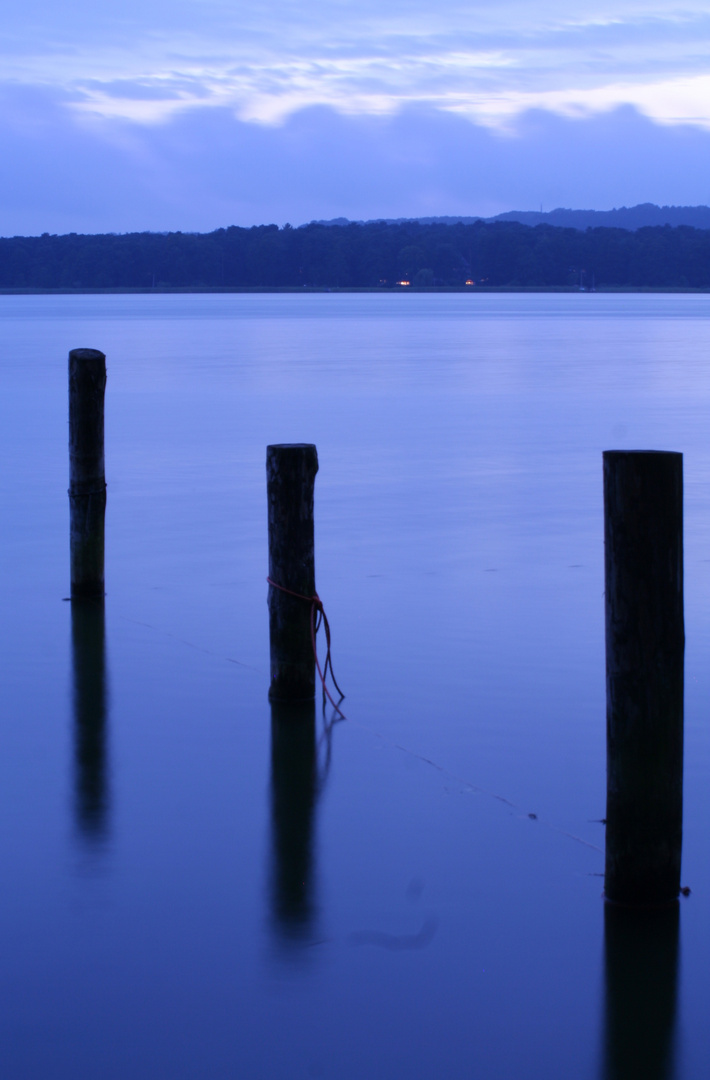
183 899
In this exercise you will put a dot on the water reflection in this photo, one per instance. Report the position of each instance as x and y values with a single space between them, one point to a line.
91 794
294 784
297 779
641 965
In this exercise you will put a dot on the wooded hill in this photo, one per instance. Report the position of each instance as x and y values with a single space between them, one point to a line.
622 217
375 254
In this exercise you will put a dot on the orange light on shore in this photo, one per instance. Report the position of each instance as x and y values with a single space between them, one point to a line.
470 281
403 283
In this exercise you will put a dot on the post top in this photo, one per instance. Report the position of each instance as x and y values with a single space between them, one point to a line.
290 446
291 459
643 453
86 354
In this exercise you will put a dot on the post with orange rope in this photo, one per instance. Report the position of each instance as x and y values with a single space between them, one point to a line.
643 553
290 478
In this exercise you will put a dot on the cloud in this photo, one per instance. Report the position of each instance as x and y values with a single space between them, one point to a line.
488 60
205 168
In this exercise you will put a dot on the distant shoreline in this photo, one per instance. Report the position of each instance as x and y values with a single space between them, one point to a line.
386 291
504 256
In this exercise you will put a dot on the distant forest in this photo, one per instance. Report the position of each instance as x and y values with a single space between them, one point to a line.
369 255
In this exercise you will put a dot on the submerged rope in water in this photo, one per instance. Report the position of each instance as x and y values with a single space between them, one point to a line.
316 605
316 622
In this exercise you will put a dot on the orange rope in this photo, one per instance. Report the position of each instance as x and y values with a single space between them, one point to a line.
317 606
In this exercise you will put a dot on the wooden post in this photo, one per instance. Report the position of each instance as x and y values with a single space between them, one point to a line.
643 555
87 482
290 477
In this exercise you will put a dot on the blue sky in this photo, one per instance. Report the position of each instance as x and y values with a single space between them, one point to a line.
198 113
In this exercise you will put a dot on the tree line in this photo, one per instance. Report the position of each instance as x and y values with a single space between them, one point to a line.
373 254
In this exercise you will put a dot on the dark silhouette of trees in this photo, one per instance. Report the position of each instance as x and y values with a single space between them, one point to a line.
374 254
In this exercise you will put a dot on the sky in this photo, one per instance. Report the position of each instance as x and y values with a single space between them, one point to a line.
196 114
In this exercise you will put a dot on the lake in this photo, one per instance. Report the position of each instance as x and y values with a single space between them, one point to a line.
194 889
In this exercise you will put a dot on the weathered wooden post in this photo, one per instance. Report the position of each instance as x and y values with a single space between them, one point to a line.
643 555
87 481
290 477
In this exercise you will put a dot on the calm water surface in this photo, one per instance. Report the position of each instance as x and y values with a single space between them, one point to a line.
194 888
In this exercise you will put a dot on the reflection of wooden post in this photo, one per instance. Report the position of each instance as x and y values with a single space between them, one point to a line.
87 482
641 973
90 769
290 477
643 535
294 784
